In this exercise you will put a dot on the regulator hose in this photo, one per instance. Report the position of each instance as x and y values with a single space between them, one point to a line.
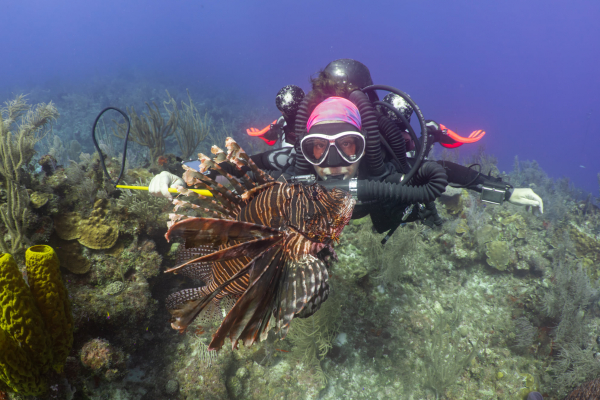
124 145
393 135
302 115
430 182
368 116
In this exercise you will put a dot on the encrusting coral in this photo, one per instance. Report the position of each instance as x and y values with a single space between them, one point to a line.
36 325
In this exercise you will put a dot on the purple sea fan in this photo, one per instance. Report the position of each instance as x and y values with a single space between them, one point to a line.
263 252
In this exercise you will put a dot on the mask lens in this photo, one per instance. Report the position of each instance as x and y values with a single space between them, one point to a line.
315 149
350 147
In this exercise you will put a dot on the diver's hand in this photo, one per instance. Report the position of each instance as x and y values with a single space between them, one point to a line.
160 184
526 197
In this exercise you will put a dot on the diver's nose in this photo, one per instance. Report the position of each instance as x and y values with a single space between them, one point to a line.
333 158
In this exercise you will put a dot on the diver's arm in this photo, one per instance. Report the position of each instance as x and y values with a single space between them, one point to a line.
493 189
468 178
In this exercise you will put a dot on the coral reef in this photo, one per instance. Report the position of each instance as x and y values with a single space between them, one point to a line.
192 128
567 302
535 322
149 130
147 210
525 333
444 358
573 367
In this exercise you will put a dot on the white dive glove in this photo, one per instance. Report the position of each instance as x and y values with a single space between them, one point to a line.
160 184
526 197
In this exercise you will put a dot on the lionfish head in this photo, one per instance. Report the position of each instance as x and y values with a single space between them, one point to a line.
328 212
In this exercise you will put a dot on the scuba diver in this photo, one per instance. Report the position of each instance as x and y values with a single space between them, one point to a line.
341 135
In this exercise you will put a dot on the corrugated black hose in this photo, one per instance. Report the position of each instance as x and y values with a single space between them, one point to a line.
428 183
368 115
302 166
393 135
434 181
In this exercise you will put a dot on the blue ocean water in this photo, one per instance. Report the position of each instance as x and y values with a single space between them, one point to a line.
525 72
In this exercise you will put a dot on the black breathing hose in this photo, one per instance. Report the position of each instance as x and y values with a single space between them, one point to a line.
411 131
302 115
432 175
368 116
124 145
393 135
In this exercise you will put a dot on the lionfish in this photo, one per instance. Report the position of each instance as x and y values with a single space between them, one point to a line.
264 250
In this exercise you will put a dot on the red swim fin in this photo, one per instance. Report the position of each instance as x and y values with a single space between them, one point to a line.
263 134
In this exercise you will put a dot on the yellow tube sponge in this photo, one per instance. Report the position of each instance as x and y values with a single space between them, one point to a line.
52 300
25 346
20 318
15 370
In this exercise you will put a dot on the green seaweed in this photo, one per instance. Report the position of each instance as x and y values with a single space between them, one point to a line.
312 337
444 360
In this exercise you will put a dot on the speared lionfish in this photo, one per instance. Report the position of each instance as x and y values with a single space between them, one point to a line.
264 250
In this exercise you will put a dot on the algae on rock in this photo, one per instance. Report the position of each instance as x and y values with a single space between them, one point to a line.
498 254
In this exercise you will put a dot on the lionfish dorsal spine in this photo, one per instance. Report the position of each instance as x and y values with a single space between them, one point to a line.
239 189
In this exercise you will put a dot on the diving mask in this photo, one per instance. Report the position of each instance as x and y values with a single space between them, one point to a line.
349 145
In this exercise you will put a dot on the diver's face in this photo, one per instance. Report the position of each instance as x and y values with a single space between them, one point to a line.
346 172
346 145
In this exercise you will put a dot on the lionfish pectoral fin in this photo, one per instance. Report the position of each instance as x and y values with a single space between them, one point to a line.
184 306
256 328
250 248
197 271
187 304
250 315
212 231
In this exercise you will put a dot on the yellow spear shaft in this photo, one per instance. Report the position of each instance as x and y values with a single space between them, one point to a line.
203 192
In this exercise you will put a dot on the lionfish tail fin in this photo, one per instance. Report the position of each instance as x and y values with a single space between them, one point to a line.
302 292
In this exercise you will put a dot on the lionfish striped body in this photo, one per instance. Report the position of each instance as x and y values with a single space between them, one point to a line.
261 252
